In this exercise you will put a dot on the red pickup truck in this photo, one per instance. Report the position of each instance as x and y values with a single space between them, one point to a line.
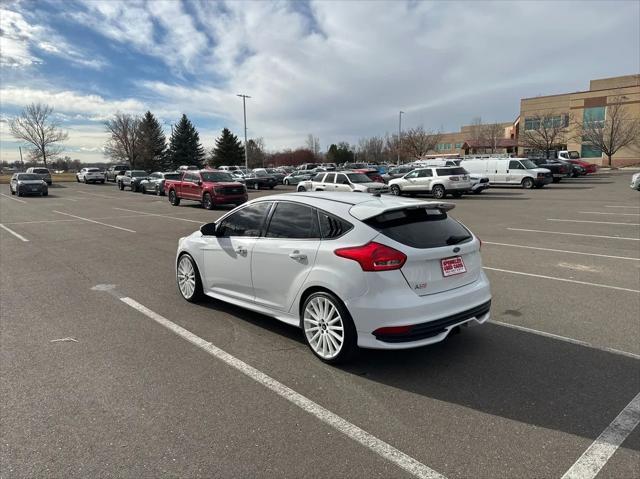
208 187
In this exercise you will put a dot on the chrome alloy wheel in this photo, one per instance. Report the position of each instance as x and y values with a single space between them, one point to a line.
186 277
323 327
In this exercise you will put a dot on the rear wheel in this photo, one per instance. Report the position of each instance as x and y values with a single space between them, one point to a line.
395 189
188 279
45 193
144 190
328 328
173 198
120 185
286 182
301 188
207 202
438 192
527 183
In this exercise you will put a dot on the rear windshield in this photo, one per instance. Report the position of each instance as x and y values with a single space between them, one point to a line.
28 177
40 170
138 174
358 178
93 170
172 176
420 228
216 176
451 171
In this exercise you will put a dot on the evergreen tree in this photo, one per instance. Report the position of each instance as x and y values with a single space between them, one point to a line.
184 146
228 150
151 144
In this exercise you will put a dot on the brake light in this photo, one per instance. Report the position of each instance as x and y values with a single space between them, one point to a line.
374 256
392 330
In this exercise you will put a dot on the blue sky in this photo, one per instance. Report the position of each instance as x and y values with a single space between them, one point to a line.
339 70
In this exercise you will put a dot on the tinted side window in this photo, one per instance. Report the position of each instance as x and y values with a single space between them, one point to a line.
424 173
291 220
246 222
515 165
332 227
330 178
318 177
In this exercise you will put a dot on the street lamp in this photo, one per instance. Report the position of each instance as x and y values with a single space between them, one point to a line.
244 110
399 134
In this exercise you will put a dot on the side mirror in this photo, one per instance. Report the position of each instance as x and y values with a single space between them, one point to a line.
199 182
208 229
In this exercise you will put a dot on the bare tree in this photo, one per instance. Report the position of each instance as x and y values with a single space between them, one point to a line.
36 127
544 132
371 149
475 131
619 129
490 135
313 144
417 142
123 142
255 152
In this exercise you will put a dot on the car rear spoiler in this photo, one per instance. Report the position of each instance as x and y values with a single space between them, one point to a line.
369 209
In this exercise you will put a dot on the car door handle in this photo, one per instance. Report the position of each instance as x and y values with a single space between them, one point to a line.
241 250
298 256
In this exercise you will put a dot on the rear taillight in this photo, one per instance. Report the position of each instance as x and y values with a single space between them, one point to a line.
374 256
392 330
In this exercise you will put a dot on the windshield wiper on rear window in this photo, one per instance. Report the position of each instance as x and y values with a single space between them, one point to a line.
455 239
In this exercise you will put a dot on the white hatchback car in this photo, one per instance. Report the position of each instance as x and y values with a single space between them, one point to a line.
350 269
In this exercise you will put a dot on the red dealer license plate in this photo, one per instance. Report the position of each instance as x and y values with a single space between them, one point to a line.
452 266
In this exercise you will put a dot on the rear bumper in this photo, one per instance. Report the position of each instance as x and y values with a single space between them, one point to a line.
438 313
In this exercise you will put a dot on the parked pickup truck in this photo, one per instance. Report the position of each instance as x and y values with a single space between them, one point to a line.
131 179
558 169
113 171
208 187
343 181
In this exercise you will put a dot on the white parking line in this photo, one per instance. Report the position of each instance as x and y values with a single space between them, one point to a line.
607 213
9 230
597 285
99 196
162 216
596 456
567 339
626 258
94 221
12 198
575 234
594 222
350 430
71 221
612 206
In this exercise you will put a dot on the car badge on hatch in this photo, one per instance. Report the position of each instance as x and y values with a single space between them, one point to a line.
456 249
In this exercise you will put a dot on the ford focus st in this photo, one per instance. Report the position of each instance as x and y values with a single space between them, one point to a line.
350 269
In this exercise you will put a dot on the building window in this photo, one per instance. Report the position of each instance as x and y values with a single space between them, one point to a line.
458 145
589 151
594 114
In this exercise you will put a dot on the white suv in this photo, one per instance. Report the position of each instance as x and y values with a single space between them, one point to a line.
90 175
439 181
342 181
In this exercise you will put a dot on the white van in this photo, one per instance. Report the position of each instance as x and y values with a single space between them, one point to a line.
509 171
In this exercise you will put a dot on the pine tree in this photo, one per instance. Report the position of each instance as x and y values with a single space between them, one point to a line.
151 144
185 147
228 150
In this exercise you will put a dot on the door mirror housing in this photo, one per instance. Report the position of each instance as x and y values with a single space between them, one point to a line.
208 229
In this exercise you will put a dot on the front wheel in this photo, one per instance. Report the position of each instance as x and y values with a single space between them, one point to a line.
395 190
256 186
133 187
173 198
328 328
301 188
188 279
438 192
158 193
45 193
120 185
286 182
85 180
143 190
527 183
77 178
207 202
18 192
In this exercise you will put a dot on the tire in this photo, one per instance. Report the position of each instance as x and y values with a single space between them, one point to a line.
45 193
556 180
77 179
133 187
438 192
456 195
85 180
207 202
329 345
188 279
18 192
143 190
158 192
256 186
102 182
12 192
120 185
272 187
173 198
527 183
286 182
301 188
395 190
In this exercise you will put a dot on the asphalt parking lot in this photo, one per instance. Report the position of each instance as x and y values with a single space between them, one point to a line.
523 396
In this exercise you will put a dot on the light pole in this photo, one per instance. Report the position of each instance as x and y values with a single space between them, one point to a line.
244 110
399 134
